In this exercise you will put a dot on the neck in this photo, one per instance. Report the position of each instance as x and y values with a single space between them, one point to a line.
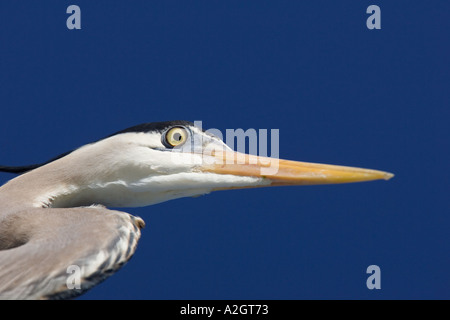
92 174
75 181
46 187
35 189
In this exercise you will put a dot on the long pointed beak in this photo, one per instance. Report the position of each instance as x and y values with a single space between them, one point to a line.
285 172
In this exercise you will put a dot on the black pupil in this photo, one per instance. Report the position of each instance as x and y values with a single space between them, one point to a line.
177 137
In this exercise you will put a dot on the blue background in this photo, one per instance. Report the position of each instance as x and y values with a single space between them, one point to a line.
338 92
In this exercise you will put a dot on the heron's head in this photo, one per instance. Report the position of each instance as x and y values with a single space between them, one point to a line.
156 162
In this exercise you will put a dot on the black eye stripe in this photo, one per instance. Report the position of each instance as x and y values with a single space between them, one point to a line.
156 127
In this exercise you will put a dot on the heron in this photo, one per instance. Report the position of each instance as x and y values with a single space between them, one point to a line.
55 214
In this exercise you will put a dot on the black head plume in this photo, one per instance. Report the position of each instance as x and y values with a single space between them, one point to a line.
145 127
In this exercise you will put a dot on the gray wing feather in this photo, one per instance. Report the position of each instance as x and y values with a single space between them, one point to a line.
37 246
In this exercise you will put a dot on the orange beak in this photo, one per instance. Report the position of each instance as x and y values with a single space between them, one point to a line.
284 172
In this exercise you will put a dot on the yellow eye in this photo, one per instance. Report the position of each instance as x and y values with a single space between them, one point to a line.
176 136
